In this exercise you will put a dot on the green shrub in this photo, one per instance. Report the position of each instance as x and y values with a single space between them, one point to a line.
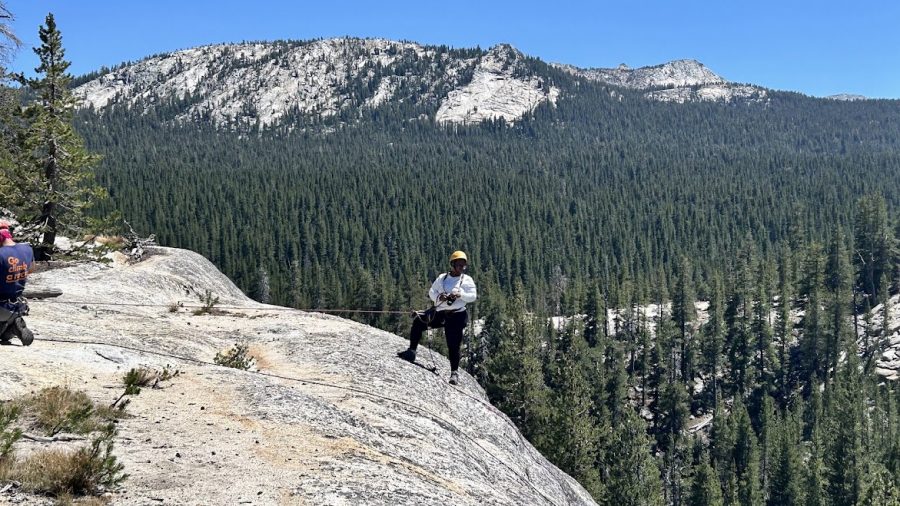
209 301
9 412
57 472
59 409
236 358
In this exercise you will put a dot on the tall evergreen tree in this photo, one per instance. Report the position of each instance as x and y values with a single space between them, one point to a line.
784 326
844 457
57 182
705 488
763 354
839 304
595 322
631 473
516 378
875 247
684 312
814 481
713 338
8 102
811 344
576 438
786 472
746 458
738 317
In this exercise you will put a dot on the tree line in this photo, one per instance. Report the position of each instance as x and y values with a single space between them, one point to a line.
773 399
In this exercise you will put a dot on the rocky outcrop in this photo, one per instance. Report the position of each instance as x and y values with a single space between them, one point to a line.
262 84
885 344
677 74
500 88
846 97
330 417
676 81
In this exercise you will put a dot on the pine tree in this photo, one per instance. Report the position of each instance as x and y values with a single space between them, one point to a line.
738 317
875 247
814 482
746 458
786 472
684 312
674 408
263 291
617 382
576 438
491 310
784 325
631 473
837 281
713 336
763 356
705 488
813 336
595 321
8 102
844 458
721 440
516 378
8 39
57 182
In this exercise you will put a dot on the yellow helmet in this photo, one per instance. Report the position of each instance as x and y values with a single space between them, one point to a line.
458 255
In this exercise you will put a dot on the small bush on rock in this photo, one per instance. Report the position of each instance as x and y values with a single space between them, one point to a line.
8 434
61 409
59 472
236 358
209 301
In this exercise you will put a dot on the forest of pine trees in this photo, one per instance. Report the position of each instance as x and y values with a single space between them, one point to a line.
781 370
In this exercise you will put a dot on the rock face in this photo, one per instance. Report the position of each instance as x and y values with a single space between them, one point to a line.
887 343
358 427
499 89
265 84
847 97
678 73
261 83
676 81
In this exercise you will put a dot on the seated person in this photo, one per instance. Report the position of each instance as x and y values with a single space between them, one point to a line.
16 263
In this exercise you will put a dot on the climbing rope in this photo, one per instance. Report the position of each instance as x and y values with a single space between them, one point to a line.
435 417
216 306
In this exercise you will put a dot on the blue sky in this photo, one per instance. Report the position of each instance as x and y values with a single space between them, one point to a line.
818 48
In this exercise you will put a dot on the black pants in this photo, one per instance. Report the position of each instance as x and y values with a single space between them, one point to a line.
453 324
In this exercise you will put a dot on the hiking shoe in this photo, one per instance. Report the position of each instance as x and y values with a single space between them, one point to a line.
9 333
408 355
24 333
454 378
19 330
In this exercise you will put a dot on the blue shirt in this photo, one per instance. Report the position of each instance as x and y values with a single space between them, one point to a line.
15 263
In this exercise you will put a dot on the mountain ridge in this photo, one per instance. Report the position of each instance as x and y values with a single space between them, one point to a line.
268 84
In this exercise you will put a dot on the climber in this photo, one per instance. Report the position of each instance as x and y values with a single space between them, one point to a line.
449 294
16 263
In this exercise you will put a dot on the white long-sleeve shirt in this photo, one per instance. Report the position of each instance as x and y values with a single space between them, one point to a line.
445 283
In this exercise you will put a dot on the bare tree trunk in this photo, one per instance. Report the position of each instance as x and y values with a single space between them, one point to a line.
49 220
